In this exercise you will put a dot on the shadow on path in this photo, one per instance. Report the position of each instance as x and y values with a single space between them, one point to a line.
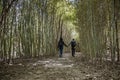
56 68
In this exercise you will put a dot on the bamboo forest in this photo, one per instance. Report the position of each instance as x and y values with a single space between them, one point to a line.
59 39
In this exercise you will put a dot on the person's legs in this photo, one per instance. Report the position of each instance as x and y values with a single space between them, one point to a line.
73 52
61 51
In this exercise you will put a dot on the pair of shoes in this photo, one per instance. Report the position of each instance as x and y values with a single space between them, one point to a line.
73 56
60 55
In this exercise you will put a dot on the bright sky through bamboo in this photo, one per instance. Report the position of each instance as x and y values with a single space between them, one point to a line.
74 34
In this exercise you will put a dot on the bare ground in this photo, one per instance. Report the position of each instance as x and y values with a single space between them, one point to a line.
55 68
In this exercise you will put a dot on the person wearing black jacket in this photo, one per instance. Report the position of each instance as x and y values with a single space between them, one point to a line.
73 44
61 45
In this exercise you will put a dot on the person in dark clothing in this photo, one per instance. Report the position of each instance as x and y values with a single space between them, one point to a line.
61 45
73 44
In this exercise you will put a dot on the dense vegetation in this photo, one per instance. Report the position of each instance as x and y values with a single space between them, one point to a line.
30 31
98 27
31 28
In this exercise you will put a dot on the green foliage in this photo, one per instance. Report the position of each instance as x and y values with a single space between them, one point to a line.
95 19
35 28
0 6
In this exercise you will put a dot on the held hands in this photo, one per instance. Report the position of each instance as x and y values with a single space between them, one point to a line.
67 45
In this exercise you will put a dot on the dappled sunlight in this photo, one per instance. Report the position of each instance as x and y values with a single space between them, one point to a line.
74 34
51 63
59 40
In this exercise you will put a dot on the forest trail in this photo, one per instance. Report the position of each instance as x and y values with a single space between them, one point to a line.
54 68
64 68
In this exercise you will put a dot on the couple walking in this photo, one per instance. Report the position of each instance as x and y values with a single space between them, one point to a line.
61 44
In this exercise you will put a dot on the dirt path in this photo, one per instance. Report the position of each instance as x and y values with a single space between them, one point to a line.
65 68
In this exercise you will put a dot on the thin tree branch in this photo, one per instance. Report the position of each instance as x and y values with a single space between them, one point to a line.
5 11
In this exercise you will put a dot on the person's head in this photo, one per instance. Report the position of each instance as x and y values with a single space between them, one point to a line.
73 39
61 39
